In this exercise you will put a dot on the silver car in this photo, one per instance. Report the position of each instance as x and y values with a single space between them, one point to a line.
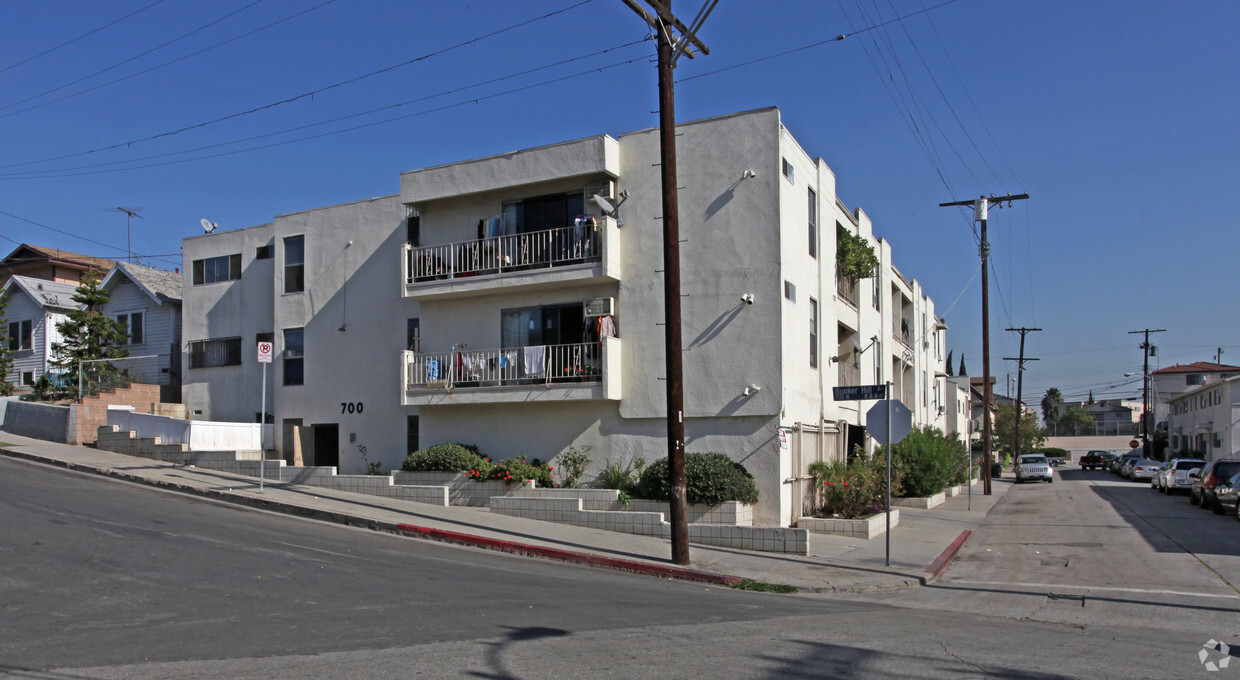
1034 467
1173 476
1143 468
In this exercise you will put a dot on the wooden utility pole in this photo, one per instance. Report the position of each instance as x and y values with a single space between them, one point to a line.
980 209
1020 381
1145 389
664 23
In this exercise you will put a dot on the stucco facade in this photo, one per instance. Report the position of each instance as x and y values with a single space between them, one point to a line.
1205 421
467 308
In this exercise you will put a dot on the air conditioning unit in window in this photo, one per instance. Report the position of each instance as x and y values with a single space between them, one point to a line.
605 189
601 307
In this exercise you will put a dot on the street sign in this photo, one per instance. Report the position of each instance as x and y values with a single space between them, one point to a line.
1134 444
859 392
264 352
876 421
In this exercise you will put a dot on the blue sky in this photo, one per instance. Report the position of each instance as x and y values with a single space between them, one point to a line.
1117 117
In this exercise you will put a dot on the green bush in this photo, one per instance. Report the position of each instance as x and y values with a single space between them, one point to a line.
444 458
926 461
623 479
710 479
849 490
1052 452
516 470
573 464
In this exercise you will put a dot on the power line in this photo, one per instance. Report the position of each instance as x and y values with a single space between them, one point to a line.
66 172
76 236
304 94
116 65
73 40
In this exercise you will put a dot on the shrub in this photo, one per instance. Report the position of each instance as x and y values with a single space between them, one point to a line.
927 461
623 479
444 458
6 388
851 490
710 479
573 464
515 470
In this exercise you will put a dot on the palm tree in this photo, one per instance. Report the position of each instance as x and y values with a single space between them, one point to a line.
1050 405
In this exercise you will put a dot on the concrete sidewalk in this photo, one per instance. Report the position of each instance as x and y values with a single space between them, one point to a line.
834 563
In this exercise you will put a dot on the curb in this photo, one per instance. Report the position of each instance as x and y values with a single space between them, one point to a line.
940 564
412 531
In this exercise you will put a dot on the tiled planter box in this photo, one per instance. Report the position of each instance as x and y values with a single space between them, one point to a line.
922 503
869 527
461 489
731 513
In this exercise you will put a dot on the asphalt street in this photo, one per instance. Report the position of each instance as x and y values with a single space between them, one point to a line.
104 579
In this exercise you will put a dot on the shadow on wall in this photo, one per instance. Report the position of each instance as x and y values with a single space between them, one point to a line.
716 327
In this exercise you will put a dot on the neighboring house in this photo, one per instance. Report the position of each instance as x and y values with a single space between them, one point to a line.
50 264
959 409
147 302
1205 420
1168 383
515 302
1112 418
34 308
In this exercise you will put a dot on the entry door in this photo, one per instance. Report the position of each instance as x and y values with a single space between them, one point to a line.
327 445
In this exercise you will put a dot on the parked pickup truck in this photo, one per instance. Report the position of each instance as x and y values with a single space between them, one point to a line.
1094 460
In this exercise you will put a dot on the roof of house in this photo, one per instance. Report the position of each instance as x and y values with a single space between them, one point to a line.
162 286
1196 367
44 292
28 253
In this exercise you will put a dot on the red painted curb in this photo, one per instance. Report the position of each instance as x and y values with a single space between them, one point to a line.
567 555
939 565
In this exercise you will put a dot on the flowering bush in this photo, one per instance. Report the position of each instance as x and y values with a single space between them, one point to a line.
850 490
443 458
515 471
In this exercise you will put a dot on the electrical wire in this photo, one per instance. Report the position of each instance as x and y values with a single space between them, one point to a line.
117 65
69 172
80 37
81 238
303 95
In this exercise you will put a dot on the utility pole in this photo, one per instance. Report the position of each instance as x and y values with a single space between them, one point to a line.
1020 383
1218 358
1146 349
664 24
980 209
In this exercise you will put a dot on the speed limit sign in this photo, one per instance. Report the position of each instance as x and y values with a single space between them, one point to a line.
264 352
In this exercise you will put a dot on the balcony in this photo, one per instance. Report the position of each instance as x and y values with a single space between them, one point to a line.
588 371
846 288
552 258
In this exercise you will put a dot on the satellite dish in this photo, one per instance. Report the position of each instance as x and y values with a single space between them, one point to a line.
207 225
605 205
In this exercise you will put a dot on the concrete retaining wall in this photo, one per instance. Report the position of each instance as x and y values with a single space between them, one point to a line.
38 421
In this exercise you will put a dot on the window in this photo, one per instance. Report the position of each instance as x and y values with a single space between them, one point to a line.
411 434
790 291
878 362
21 335
413 228
413 334
28 378
132 322
294 356
214 269
813 224
264 337
813 333
215 352
264 252
788 172
541 213
294 264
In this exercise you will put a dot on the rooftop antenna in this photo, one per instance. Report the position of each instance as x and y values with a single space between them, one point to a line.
130 213
207 225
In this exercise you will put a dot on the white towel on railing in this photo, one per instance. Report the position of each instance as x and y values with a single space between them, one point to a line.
535 359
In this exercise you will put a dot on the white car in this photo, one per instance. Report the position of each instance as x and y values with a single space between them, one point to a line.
1174 477
1034 467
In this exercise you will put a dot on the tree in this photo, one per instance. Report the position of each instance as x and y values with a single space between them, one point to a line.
1031 436
1074 416
1050 405
962 372
6 354
854 258
89 334
949 363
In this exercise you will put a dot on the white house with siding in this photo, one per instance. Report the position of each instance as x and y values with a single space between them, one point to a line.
34 307
147 302
497 302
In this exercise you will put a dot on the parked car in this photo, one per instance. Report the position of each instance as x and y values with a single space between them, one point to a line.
1055 461
1117 465
1227 496
1213 474
1173 476
1093 460
1143 469
1125 467
1034 467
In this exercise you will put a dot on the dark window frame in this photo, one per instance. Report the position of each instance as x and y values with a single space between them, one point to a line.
813 223
215 352
295 268
208 270
126 319
294 356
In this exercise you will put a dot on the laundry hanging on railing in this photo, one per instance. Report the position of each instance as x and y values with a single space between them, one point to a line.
606 327
535 360
432 369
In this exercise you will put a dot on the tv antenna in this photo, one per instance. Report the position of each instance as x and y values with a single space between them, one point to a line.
130 213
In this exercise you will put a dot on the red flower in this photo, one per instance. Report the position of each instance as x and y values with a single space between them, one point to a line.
826 483
845 483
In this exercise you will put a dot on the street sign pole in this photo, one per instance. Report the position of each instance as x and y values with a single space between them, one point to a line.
888 533
264 357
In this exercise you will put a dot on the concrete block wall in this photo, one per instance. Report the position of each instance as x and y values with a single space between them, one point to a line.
39 421
570 511
87 417
732 513
462 490
869 527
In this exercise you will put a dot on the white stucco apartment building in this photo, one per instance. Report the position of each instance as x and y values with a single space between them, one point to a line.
495 302
1205 420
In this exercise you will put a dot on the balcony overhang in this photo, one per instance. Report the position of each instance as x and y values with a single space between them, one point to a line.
583 157
538 279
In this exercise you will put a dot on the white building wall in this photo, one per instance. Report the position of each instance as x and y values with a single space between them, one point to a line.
1208 415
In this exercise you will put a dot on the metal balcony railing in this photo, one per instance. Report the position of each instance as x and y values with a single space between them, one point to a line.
514 252
533 365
